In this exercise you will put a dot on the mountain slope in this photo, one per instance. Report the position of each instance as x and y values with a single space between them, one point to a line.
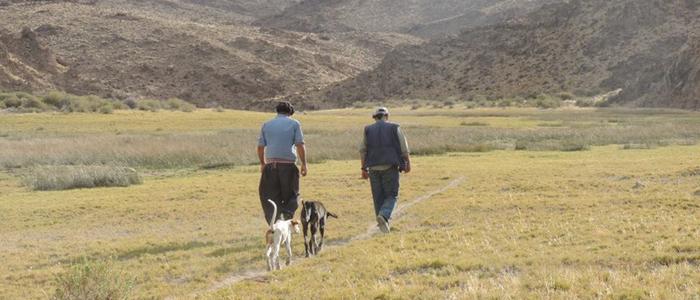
600 45
25 63
123 51
425 18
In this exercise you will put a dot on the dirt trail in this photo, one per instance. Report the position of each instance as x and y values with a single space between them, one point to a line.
371 230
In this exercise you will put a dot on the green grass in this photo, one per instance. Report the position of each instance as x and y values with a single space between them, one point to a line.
534 223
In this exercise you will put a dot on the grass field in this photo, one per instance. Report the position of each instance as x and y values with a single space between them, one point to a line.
617 218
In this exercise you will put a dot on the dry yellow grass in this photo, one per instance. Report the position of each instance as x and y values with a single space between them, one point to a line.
604 223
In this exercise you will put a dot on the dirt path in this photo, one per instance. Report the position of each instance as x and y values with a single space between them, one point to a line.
371 230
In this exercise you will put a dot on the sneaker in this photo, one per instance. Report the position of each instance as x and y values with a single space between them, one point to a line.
383 224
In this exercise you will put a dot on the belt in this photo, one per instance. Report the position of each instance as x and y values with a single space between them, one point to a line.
275 162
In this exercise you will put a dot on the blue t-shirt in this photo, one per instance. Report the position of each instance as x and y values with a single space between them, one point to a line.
279 136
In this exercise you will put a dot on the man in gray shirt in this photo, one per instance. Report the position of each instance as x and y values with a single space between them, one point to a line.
383 154
281 139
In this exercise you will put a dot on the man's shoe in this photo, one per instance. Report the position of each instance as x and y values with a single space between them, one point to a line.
383 224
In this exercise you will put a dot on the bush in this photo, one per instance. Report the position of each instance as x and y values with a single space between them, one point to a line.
55 99
585 102
130 103
95 280
106 109
13 101
566 96
33 102
149 105
505 103
50 178
179 104
547 102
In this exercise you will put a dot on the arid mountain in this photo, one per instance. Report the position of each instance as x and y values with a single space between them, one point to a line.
643 47
25 63
120 49
425 18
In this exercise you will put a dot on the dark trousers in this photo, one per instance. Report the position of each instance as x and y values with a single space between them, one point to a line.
385 191
279 182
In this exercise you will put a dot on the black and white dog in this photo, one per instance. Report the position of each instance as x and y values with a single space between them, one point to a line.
314 215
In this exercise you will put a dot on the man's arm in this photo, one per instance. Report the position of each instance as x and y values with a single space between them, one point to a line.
363 155
261 157
262 142
405 153
301 151
301 147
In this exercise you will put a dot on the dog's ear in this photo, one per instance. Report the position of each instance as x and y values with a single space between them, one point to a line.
295 222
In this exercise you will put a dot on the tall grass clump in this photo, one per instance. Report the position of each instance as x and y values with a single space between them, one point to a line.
95 280
22 102
51 178
170 104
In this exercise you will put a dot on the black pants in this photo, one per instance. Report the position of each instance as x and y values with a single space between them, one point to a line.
280 183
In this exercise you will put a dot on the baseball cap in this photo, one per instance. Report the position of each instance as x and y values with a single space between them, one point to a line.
381 111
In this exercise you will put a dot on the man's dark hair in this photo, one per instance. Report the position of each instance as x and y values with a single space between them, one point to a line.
284 107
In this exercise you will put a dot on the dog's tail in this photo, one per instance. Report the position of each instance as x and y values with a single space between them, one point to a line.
330 214
274 212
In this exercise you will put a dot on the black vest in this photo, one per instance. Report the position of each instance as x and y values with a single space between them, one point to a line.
383 146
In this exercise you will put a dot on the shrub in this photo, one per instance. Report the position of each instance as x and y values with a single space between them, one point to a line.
179 104
585 102
566 96
131 103
48 178
11 100
106 109
505 103
150 105
547 102
54 98
96 280
118 105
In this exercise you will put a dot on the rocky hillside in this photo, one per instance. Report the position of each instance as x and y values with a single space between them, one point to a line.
643 47
121 49
25 63
425 18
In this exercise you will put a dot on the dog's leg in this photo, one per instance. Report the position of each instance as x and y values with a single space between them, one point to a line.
322 227
276 253
306 245
268 254
289 250
312 240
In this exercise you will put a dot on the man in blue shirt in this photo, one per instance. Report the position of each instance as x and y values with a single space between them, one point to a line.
280 141
384 153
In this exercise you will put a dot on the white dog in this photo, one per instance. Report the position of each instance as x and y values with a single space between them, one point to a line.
279 232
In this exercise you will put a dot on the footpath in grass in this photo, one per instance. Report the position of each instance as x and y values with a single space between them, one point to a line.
605 223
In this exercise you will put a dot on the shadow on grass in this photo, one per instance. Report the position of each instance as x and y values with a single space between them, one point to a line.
160 249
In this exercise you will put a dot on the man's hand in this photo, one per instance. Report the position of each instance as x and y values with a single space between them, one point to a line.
365 174
262 168
407 167
303 170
